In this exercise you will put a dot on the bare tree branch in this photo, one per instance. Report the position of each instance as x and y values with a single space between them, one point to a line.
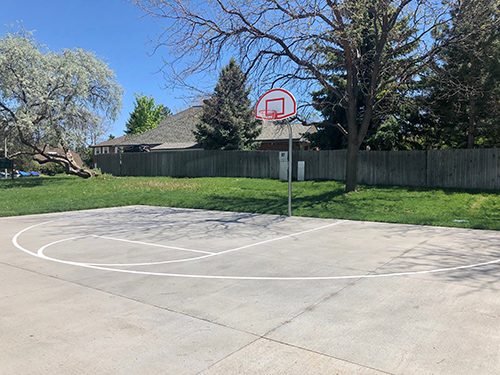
304 44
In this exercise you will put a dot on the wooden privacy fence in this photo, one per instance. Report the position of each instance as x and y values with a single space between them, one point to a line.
469 169
258 164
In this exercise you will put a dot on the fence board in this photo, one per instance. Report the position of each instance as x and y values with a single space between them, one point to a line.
472 169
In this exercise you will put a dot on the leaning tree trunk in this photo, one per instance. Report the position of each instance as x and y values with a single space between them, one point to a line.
80 172
64 158
70 167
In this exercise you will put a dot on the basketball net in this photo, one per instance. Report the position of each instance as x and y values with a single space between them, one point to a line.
268 116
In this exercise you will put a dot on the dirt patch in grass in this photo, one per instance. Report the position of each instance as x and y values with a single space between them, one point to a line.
477 204
161 185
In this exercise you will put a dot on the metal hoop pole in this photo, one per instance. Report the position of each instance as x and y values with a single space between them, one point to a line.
289 170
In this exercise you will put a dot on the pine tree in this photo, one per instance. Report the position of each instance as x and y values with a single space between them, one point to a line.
227 121
465 87
388 107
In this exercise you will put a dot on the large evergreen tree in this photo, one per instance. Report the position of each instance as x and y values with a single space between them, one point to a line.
465 85
384 130
455 104
227 121
146 115
390 128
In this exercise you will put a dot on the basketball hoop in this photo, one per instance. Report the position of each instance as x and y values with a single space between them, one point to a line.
268 114
279 104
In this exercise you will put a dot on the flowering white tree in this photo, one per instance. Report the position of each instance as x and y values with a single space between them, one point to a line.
53 99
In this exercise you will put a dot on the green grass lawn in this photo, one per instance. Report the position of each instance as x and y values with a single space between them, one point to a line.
442 207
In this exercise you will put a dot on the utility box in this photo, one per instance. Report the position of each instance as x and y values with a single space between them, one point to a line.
283 165
301 169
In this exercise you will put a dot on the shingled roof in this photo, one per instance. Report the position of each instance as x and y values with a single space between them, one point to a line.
111 142
271 132
174 132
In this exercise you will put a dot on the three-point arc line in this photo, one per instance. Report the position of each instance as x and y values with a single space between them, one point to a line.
107 267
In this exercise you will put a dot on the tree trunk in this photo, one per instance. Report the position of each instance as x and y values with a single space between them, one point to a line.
351 170
70 167
64 159
351 174
81 172
472 122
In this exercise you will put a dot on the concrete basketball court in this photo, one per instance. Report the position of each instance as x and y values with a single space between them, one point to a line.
154 290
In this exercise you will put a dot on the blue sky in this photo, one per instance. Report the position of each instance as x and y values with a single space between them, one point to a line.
112 29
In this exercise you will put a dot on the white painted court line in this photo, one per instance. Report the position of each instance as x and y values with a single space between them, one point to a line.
153 244
40 252
229 277
282 237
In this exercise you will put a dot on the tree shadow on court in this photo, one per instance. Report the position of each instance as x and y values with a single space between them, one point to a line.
464 256
227 221
162 224
411 248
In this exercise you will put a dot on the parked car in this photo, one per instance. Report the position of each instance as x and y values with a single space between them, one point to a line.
2 175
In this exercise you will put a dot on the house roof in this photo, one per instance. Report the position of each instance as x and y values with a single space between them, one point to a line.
271 132
110 142
176 132
173 131
176 146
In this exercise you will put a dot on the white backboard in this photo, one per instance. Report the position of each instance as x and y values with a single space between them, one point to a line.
277 103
